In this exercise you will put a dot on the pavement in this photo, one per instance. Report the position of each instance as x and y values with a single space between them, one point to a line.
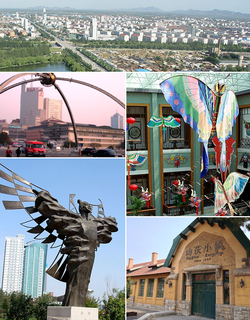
141 311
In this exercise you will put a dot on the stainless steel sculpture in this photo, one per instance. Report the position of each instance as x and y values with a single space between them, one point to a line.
80 233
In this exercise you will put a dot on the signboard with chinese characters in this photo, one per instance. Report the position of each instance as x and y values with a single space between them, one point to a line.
207 249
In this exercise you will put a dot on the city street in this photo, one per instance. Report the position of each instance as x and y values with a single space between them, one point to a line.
53 153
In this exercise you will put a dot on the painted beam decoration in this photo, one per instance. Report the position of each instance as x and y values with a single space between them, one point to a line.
206 111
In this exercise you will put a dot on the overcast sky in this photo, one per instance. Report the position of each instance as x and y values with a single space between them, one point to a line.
88 106
90 180
238 6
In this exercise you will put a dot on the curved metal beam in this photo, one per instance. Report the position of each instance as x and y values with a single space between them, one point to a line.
6 82
69 110
95 88
49 78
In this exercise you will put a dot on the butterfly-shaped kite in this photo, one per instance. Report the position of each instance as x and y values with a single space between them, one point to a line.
205 111
169 121
229 191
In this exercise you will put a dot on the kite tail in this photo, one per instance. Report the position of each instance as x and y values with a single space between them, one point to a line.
223 157
204 161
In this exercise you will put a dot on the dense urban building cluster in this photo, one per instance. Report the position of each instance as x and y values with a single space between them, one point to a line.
199 37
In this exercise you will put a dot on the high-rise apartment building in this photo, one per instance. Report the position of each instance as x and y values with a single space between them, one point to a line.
13 264
93 29
53 108
117 121
44 18
35 256
32 106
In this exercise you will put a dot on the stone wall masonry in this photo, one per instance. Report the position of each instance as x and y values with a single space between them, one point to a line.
241 313
149 306
224 312
170 305
227 312
180 307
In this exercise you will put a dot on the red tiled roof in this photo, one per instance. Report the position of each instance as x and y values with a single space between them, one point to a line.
147 268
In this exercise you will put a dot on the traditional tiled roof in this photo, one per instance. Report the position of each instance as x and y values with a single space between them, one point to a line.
147 268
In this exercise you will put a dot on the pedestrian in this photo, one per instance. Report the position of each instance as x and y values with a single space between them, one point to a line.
8 152
18 151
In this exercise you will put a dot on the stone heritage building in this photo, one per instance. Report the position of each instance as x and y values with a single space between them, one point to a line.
209 275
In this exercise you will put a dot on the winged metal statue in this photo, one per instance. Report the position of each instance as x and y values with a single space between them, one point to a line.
79 234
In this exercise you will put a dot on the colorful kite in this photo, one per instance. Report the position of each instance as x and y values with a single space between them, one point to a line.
229 191
177 160
229 152
205 111
247 126
182 190
245 158
135 160
195 201
146 195
170 121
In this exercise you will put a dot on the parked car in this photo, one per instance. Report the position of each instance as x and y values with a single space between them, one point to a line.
35 148
88 151
106 153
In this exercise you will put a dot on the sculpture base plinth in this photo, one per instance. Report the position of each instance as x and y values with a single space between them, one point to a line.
72 313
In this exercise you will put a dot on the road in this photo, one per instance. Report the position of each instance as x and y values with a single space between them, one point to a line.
65 44
53 153
50 153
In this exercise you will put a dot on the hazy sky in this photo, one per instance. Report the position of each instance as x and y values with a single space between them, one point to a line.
89 179
88 106
155 235
238 6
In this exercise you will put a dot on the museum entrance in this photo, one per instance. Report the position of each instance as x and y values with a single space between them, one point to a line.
203 301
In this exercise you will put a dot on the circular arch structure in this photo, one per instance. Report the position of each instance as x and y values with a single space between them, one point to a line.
49 79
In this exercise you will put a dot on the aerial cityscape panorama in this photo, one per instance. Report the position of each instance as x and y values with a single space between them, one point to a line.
124 160
142 39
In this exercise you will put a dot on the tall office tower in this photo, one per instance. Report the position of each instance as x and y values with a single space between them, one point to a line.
32 110
13 264
35 256
53 108
44 18
17 15
117 121
93 29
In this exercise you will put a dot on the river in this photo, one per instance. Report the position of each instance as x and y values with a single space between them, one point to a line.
58 67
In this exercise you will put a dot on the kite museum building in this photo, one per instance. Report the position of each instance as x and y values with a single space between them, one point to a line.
168 154
206 273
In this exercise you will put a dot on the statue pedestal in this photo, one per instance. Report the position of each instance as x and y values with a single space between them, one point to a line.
72 313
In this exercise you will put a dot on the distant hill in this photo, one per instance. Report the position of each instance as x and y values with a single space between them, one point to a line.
38 8
146 9
219 14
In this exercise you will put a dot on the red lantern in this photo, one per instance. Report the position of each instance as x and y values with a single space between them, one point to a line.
133 187
131 120
178 120
176 183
